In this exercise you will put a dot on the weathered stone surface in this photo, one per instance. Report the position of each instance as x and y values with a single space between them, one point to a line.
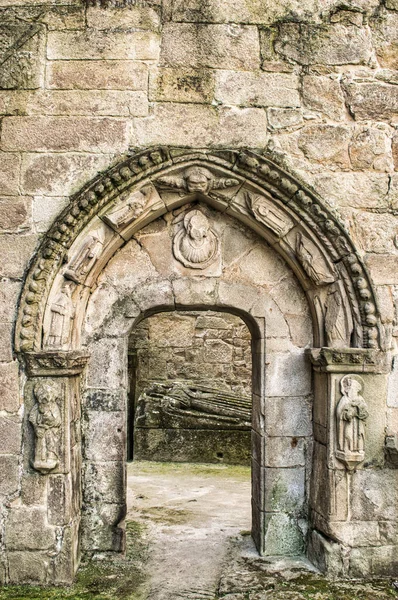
9 386
395 151
214 46
284 489
378 101
29 567
58 174
238 11
372 498
105 482
8 475
27 529
374 232
106 367
283 536
288 374
105 437
385 38
257 89
285 452
45 210
324 95
370 149
290 417
166 332
15 214
64 133
6 335
97 75
181 84
88 102
9 173
183 124
131 17
21 52
325 144
59 500
336 44
383 268
16 252
283 118
92 44
104 400
355 190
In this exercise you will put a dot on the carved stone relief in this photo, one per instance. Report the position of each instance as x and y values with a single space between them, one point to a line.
195 245
86 257
45 418
351 414
196 179
62 314
312 262
338 333
267 213
126 212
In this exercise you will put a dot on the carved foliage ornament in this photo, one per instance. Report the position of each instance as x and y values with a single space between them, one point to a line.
106 188
351 415
196 245
45 418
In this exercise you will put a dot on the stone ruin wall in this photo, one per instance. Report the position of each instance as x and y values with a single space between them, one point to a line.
208 348
312 84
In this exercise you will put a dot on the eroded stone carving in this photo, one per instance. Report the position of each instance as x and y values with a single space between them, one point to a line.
337 333
45 418
351 414
123 215
197 179
267 213
171 404
62 314
86 257
312 262
195 245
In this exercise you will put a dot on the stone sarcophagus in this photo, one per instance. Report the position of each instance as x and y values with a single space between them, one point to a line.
192 423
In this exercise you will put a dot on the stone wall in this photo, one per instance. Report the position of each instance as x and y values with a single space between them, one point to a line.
311 84
200 348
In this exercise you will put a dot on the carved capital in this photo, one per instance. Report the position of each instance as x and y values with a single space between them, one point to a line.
349 360
55 363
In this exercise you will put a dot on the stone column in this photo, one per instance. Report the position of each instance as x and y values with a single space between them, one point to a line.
42 529
350 388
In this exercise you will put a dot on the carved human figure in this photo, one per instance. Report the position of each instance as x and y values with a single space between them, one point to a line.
351 414
195 245
62 315
123 215
86 257
45 418
197 179
312 263
267 213
337 335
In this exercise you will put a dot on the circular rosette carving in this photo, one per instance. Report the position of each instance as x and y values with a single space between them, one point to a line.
196 245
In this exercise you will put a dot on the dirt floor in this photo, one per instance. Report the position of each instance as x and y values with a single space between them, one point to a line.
188 539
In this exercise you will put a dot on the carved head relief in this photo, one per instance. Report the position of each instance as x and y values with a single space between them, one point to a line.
196 244
196 179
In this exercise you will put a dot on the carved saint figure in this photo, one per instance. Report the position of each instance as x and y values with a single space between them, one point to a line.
195 245
124 214
266 212
312 263
197 179
335 320
86 257
45 417
351 414
62 315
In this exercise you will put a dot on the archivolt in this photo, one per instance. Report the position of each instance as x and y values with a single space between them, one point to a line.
250 187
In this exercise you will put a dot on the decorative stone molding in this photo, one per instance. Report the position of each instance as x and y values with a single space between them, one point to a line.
197 172
52 363
349 360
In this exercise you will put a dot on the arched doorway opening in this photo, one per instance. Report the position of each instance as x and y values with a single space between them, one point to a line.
152 235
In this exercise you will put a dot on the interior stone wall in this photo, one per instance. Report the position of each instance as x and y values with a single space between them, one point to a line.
311 83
